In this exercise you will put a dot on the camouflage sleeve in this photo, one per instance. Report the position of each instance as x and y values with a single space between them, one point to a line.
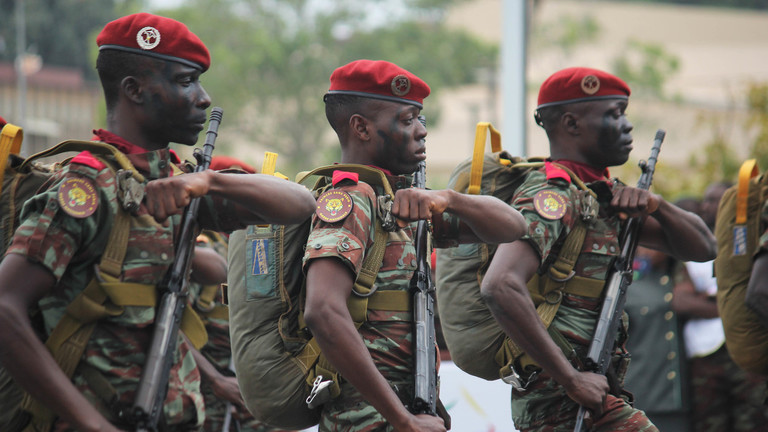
349 237
548 210
64 222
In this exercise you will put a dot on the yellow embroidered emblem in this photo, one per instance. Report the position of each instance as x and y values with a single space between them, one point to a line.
549 204
334 206
78 197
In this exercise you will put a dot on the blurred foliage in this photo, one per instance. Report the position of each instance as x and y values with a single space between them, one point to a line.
646 67
741 4
565 34
270 68
62 32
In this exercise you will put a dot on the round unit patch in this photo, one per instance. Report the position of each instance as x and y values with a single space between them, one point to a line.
590 84
148 38
334 205
401 85
549 204
78 198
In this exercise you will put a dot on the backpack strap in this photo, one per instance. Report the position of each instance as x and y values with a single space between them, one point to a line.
11 137
69 337
747 171
364 296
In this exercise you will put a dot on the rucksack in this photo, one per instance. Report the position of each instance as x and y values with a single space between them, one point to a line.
738 229
276 360
475 341
21 179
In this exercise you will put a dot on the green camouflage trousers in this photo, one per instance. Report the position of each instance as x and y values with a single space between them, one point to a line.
545 407
725 398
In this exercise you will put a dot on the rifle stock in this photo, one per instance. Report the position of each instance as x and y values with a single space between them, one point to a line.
600 349
425 371
153 385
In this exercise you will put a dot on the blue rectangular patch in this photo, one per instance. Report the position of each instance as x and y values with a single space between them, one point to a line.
260 252
739 240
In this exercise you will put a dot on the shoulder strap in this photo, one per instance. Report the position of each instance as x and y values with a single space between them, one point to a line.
11 137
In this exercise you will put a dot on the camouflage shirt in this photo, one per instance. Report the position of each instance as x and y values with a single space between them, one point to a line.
69 244
386 334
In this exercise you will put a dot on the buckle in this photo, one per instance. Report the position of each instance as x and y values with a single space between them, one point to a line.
321 392
517 382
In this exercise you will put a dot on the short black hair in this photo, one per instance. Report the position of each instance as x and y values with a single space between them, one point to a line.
340 107
114 65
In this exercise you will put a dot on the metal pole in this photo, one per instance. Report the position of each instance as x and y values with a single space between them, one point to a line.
513 74
21 78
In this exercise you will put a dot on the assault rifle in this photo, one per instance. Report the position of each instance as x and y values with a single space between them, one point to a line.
153 386
602 346
425 371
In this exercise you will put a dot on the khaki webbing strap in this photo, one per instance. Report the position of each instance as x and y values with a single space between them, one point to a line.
747 171
548 295
207 295
478 154
397 301
219 312
367 174
11 137
91 146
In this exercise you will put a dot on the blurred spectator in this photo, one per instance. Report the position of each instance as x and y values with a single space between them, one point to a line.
657 377
725 398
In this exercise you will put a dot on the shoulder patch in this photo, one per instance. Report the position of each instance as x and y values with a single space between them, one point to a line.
550 204
78 197
87 159
334 205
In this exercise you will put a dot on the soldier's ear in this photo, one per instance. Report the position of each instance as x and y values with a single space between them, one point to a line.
569 121
359 126
130 87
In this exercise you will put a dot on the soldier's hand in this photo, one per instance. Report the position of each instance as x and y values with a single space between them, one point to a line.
590 390
418 204
168 196
424 423
229 390
630 202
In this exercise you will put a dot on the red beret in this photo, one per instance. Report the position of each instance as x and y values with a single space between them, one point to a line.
2 122
379 80
225 162
155 36
580 84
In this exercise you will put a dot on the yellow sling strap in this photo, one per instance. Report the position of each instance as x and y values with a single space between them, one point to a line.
11 137
747 171
476 170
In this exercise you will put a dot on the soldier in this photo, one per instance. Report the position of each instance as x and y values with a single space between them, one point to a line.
582 111
149 67
374 106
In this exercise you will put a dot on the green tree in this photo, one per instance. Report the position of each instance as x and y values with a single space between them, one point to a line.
271 62
60 31
646 67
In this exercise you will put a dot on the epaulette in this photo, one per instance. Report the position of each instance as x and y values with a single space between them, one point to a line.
89 160
339 176
555 174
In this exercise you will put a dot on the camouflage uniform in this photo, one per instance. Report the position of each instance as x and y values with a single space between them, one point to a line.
70 247
545 405
218 349
387 335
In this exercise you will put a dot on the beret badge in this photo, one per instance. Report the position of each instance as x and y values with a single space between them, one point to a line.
401 85
148 38
590 84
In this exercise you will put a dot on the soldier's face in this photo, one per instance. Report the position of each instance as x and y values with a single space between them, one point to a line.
398 138
175 103
607 132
